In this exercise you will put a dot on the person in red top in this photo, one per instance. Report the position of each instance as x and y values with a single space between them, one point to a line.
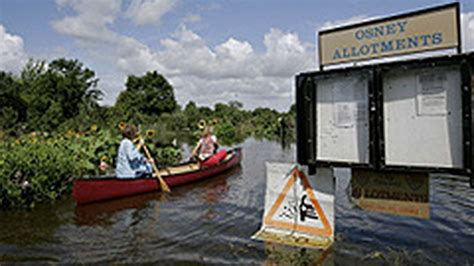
206 146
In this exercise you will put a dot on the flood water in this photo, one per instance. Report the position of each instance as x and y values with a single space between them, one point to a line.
211 222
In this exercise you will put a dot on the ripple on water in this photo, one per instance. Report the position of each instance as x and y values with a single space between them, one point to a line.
211 222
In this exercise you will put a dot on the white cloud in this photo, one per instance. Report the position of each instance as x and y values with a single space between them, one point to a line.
143 12
278 42
276 93
231 70
235 50
111 84
135 57
91 27
285 54
114 55
188 54
92 20
467 31
12 54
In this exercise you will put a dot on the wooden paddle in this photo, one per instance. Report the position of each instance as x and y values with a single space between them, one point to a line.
163 184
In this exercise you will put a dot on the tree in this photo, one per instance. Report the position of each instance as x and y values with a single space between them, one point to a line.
265 121
57 92
236 104
191 108
12 105
150 94
230 112
292 110
75 86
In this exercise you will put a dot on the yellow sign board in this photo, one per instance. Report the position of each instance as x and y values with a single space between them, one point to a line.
404 194
427 30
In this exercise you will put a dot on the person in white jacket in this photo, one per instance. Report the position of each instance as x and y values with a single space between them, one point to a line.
130 162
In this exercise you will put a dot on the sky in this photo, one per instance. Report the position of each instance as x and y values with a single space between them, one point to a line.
210 51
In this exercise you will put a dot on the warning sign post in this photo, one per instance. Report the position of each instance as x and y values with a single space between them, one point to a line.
299 210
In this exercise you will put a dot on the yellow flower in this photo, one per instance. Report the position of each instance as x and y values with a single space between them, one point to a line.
33 134
214 122
150 133
202 124
94 128
104 158
17 141
70 133
122 125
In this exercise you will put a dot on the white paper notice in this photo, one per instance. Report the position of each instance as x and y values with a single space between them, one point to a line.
350 102
432 95
344 114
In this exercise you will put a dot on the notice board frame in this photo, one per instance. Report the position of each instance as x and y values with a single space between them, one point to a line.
306 109
466 64
306 133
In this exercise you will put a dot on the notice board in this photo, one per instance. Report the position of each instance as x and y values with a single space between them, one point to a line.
342 117
422 120
413 115
334 126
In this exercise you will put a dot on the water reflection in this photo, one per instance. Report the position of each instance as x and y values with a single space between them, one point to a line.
446 238
216 189
20 227
100 213
398 193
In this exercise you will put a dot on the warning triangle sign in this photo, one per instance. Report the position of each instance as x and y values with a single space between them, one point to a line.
296 208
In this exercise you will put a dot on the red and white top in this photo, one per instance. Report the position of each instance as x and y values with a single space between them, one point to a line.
207 147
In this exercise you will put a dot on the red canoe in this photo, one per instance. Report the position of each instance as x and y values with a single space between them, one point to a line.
87 190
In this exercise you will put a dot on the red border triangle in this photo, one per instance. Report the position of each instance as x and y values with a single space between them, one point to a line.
325 231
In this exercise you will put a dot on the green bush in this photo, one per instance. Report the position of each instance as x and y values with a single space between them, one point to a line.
37 168
225 132
166 156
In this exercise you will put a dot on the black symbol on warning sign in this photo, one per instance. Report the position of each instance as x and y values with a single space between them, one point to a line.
307 210
289 211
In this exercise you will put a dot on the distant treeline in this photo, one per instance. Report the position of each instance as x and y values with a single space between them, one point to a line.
64 95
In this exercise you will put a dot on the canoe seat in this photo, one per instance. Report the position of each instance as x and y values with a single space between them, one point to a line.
179 169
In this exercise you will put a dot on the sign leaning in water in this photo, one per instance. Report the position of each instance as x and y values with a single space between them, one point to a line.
299 209
427 30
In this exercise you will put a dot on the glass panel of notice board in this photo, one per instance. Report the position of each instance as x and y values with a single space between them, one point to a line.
423 112
342 115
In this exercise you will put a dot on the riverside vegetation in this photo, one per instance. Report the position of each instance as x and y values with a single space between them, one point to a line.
53 130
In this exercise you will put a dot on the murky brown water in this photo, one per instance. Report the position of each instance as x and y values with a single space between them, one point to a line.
211 222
